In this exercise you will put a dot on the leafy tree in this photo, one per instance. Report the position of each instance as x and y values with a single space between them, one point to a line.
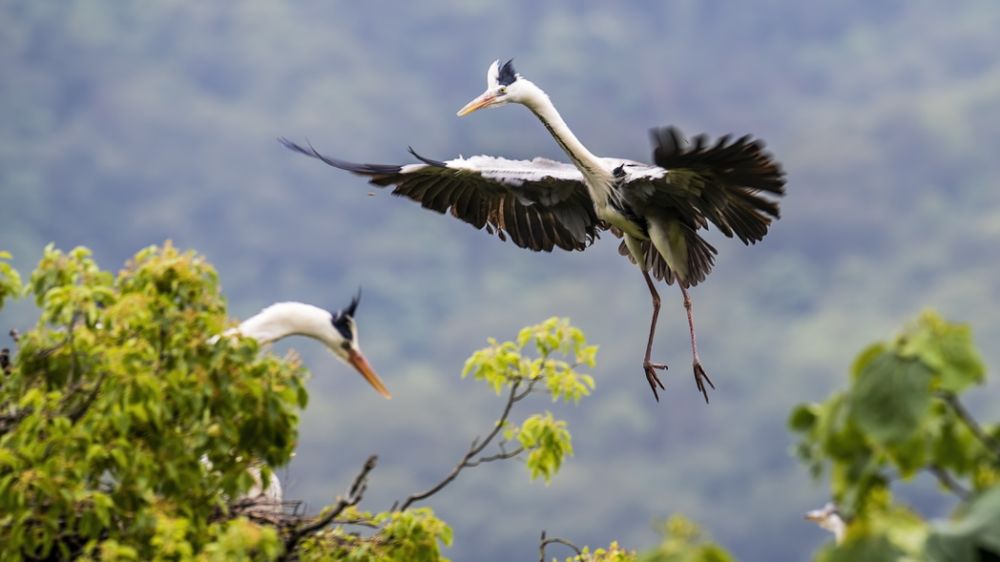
127 430
113 399
902 415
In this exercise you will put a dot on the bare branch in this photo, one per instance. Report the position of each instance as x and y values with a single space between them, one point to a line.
991 444
527 391
544 542
354 496
474 449
497 457
5 365
357 522
949 482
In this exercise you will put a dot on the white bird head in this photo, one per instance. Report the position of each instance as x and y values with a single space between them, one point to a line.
503 85
829 518
336 330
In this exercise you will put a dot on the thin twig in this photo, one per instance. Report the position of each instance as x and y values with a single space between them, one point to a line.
544 542
527 391
991 444
949 482
357 522
497 457
474 449
354 496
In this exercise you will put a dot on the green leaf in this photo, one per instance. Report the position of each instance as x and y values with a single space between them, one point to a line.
803 417
946 348
10 280
865 357
891 397
548 442
866 549
970 536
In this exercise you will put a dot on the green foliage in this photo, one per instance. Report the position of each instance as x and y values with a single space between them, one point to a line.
123 389
547 441
890 397
10 281
946 348
613 553
901 416
504 366
114 397
684 541
412 535
975 532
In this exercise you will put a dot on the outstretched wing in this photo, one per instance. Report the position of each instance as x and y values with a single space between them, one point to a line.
539 204
729 184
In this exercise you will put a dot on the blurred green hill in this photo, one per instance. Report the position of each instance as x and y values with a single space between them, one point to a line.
125 124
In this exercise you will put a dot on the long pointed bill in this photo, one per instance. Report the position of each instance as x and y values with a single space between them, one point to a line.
359 362
482 101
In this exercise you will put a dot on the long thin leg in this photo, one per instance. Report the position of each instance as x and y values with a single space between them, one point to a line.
647 365
700 376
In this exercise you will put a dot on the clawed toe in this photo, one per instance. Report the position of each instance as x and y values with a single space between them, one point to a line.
700 378
654 381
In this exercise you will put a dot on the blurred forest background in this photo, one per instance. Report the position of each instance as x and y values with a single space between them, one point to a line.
125 124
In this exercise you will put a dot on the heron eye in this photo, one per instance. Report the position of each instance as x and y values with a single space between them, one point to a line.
346 345
501 91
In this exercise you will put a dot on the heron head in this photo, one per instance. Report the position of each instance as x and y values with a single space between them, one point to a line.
503 85
342 340
829 518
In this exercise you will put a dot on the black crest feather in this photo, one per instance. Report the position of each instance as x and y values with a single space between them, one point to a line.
351 308
507 74
342 320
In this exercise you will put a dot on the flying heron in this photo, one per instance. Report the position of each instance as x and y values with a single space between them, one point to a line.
542 204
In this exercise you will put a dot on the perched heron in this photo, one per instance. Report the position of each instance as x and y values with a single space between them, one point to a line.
542 204
336 330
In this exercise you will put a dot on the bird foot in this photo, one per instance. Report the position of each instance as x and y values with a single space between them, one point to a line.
700 378
651 377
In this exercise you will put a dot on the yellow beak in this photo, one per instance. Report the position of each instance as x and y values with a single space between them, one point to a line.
359 362
482 101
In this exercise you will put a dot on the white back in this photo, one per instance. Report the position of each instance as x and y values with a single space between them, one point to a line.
285 319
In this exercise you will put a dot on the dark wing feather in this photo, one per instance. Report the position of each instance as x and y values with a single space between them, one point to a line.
539 205
727 183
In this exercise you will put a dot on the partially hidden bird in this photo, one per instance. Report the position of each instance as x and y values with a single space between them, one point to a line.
335 330
657 209
828 517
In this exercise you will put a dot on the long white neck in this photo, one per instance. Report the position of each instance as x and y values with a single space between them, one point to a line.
285 319
598 178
